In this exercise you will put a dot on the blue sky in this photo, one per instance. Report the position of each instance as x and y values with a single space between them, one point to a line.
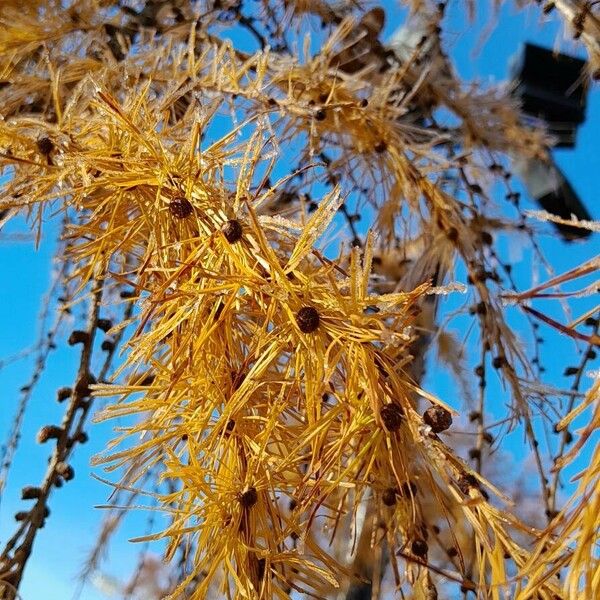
71 529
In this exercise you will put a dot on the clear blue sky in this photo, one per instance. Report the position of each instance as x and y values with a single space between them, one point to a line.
71 529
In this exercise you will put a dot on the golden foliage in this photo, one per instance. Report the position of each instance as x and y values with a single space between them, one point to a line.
284 393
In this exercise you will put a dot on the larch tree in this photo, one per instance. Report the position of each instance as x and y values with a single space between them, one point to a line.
263 209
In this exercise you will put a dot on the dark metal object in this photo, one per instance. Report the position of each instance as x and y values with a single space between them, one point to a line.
545 182
563 202
551 88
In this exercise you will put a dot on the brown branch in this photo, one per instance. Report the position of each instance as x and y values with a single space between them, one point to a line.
18 549
590 339
566 434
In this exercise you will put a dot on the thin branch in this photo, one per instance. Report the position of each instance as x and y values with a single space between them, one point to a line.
18 548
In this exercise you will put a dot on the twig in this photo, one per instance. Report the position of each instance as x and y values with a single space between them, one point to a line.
553 488
18 548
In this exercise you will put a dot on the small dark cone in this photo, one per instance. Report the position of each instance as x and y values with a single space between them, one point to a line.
30 492
308 319
107 345
498 362
419 548
474 453
229 427
63 393
388 497
438 418
48 432
78 337
104 324
249 498
466 483
232 230
392 416
452 234
45 145
181 207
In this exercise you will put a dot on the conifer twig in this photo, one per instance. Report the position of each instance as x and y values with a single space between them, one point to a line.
18 549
